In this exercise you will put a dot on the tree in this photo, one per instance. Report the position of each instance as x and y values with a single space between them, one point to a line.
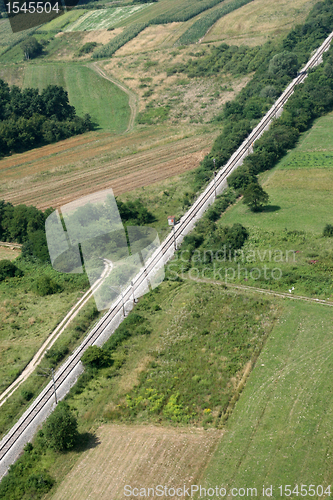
31 47
283 64
60 429
255 197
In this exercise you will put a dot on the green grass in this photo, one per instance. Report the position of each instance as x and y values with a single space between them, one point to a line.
7 37
192 344
60 22
24 325
87 91
299 187
104 18
280 431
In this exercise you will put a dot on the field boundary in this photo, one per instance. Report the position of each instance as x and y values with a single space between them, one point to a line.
132 98
265 291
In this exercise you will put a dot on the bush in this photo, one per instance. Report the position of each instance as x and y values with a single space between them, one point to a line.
46 286
328 231
9 270
96 357
60 428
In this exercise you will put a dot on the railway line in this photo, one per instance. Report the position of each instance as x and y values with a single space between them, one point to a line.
12 444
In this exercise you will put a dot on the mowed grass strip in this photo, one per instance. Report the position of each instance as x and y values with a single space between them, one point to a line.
87 92
254 23
104 18
140 456
280 431
59 22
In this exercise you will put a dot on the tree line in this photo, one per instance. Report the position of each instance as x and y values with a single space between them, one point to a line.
29 119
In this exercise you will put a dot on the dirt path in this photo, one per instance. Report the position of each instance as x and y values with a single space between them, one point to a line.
54 336
266 291
132 98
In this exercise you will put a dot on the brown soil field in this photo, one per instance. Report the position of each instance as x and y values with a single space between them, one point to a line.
59 173
139 456
259 21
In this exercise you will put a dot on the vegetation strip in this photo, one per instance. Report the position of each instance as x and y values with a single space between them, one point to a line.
198 30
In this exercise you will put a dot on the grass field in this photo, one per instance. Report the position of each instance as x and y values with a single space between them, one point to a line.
7 37
299 187
258 21
60 22
24 325
280 432
171 457
87 92
104 18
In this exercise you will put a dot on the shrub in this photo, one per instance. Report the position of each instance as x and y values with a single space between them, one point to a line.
45 285
9 270
328 231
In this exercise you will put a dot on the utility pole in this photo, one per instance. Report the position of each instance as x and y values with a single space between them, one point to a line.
171 222
47 373
132 285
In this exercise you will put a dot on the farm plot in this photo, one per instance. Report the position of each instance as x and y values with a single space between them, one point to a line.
258 21
8 38
87 91
300 187
60 22
141 456
43 184
104 18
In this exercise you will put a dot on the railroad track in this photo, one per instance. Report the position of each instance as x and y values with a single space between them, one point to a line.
158 259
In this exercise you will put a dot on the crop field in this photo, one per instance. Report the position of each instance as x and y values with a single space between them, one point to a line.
60 22
87 92
104 18
172 457
281 428
57 174
258 21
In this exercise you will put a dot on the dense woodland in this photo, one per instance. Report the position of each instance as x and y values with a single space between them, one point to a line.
29 119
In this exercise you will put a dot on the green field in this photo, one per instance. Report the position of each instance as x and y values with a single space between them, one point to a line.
59 22
87 91
281 430
300 187
104 18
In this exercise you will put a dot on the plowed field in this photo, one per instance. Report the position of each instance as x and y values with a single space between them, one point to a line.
59 173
